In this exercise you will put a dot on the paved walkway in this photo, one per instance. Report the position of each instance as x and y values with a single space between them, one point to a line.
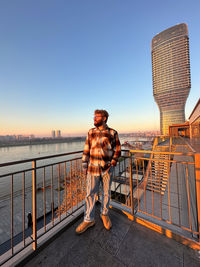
127 244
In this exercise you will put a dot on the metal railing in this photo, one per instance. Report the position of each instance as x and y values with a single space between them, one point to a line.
169 193
48 192
151 187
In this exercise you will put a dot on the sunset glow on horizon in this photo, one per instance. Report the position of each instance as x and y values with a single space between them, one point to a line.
78 56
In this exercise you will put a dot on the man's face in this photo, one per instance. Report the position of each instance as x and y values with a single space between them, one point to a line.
98 120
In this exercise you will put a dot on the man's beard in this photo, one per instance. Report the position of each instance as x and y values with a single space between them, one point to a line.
98 124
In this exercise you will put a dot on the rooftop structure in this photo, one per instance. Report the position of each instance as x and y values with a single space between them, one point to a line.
171 74
194 121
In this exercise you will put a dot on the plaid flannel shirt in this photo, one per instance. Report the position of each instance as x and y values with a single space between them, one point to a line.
101 147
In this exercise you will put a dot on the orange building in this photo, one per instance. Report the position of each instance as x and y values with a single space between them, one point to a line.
194 121
181 129
190 128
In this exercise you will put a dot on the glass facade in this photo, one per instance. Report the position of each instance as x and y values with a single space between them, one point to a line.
171 74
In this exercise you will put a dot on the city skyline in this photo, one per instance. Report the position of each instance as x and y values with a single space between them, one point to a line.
78 56
53 135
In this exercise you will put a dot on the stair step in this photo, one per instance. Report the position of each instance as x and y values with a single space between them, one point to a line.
157 186
157 191
156 182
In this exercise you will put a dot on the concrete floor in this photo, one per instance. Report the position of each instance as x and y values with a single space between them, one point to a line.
126 244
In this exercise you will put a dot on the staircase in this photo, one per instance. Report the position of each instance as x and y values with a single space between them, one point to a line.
159 170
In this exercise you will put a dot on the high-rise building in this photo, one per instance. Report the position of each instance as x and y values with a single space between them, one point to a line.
58 133
53 134
171 74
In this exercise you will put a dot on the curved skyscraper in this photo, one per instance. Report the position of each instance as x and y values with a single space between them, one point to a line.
171 74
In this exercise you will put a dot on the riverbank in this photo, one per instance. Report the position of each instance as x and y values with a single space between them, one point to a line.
41 141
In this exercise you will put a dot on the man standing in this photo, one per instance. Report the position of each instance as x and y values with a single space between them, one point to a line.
101 152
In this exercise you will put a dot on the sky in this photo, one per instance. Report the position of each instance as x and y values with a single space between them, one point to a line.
62 59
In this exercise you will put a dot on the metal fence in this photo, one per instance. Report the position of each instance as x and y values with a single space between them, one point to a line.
159 186
168 194
36 198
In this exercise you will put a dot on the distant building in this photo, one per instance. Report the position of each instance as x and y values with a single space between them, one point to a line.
20 137
171 74
58 134
53 134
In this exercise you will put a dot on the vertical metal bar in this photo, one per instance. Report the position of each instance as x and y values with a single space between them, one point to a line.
65 177
188 196
44 200
197 172
82 182
52 199
170 144
131 183
169 201
12 214
152 192
24 208
34 184
145 197
77 183
71 186
59 191
115 181
179 208
138 196
159 187
115 191
125 180
120 190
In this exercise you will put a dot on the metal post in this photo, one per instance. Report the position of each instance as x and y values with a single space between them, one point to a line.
44 199
24 208
197 171
52 199
170 144
59 192
34 176
131 183
12 215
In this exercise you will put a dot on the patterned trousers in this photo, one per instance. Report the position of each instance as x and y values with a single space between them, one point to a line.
93 183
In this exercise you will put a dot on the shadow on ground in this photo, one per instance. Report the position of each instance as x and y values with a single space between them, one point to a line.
126 244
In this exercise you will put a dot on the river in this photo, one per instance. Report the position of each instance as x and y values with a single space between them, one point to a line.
9 154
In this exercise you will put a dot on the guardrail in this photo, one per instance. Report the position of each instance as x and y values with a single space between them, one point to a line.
169 185
154 185
41 189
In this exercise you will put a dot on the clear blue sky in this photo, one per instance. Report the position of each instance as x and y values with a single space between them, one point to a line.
61 59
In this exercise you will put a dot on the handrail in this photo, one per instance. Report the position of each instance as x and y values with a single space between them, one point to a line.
161 152
55 179
39 158
5 164
67 176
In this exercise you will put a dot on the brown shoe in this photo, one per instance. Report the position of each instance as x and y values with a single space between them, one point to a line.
84 226
106 221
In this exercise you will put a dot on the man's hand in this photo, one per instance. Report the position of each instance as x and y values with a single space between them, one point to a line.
84 171
113 162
